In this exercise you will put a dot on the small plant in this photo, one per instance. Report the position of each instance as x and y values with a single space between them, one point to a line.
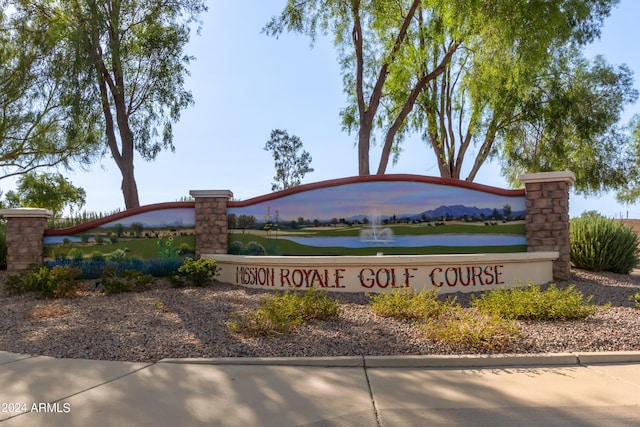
75 254
132 281
531 303
235 248
636 298
165 247
465 329
113 238
409 304
96 256
119 255
56 282
602 244
199 272
284 312
254 248
184 249
98 238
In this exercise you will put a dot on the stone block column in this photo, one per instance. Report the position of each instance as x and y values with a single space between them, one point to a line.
211 221
547 219
25 234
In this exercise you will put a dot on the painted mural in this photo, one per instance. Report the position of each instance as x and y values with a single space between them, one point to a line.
389 214
156 231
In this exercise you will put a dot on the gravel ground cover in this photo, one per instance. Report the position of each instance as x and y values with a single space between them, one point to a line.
193 322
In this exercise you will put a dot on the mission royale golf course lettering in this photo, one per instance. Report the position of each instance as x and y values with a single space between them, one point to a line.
370 277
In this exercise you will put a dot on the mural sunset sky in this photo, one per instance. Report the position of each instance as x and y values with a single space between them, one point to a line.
381 198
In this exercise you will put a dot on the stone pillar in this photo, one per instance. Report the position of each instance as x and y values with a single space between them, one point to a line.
25 234
211 221
547 219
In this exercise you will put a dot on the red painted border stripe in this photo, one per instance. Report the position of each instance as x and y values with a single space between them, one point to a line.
378 178
120 215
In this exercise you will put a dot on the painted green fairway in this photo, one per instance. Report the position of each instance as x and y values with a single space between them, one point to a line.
275 246
145 248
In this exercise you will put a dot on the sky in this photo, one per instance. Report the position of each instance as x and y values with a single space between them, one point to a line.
246 84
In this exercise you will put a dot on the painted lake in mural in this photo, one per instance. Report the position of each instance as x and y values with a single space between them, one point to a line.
415 215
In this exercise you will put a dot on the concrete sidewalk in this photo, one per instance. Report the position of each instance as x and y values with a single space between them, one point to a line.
591 389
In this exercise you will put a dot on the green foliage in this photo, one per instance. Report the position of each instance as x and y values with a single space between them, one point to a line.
253 248
636 298
131 54
602 244
75 254
281 313
291 166
465 329
131 281
409 304
531 303
119 255
199 272
49 191
96 256
57 282
508 75
165 247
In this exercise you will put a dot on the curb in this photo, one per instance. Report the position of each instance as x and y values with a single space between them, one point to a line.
426 361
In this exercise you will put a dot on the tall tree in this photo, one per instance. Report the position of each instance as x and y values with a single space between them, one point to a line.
121 67
291 164
469 66
33 132
371 37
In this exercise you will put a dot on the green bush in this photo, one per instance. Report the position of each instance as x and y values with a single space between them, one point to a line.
235 248
602 244
636 298
118 255
75 254
464 329
254 248
97 256
531 303
284 312
132 281
409 304
57 282
199 272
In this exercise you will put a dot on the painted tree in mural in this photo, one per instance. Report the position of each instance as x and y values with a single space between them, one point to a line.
33 131
291 163
474 78
118 67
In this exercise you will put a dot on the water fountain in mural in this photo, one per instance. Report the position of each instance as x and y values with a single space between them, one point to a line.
375 234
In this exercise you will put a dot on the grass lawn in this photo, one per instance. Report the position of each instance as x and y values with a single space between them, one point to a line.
145 248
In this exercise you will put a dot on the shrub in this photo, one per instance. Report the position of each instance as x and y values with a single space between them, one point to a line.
253 248
409 304
118 255
132 281
464 329
113 238
602 244
56 282
531 303
636 298
235 248
75 254
96 256
199 272
281 313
